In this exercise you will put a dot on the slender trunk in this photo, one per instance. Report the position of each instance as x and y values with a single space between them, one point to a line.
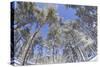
56 54
53 53
18 40
18 30
83 58
28 54
26 49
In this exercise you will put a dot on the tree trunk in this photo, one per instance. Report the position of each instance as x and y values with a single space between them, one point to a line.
81 53
26 49
53 53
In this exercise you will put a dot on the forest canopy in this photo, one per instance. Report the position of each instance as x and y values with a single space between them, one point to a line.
53 33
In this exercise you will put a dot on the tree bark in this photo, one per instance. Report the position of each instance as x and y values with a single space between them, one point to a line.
81 53
26 49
